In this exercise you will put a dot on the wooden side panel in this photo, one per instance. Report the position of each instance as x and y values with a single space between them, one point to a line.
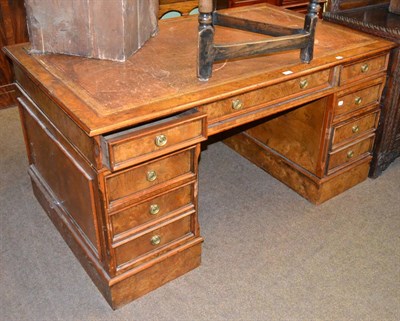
85 256
276 166
59 118
12 31
70 180
315 190
297 135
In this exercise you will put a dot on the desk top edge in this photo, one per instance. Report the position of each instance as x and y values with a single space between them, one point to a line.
93 122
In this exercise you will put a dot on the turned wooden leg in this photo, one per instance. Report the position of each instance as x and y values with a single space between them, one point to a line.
206 53
306 54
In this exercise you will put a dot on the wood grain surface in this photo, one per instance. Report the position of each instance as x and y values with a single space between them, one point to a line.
12 30
102 95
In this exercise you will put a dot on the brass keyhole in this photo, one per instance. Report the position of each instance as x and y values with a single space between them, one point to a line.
350 154
355 129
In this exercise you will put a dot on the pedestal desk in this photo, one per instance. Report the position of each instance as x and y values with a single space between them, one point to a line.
377 20
113 147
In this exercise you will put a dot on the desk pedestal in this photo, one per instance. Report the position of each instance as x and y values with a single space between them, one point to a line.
319 149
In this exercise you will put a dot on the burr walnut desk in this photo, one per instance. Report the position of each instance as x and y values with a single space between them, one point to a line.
113 147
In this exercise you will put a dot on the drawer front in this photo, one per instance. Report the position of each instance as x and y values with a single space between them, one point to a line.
363 69
237 3
350 153
151 210
235 106
122 186
357 100
353 129
155 240
143 143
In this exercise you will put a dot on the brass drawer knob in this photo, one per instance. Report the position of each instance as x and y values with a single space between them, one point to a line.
154 209
355 129
350 154
303 83
358 100
151 176
364 68
160 140
237 104
155 240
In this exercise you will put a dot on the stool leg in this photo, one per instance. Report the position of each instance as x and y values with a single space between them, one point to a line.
205 58
310 22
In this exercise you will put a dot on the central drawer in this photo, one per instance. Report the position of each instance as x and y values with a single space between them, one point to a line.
241 104
148 177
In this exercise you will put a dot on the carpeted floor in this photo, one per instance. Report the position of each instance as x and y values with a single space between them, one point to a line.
268 253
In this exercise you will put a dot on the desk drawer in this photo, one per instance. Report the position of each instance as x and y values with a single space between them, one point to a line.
160 238
362 69
240 104
350 153
357 100
150 176
147 212
355 128
146 142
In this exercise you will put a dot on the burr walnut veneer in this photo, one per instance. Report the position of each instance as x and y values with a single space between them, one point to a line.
376 19
113 147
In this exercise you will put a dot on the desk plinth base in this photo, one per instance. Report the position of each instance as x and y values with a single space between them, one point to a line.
310 187
132 284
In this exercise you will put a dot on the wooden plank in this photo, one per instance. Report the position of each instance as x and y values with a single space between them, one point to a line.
99 29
